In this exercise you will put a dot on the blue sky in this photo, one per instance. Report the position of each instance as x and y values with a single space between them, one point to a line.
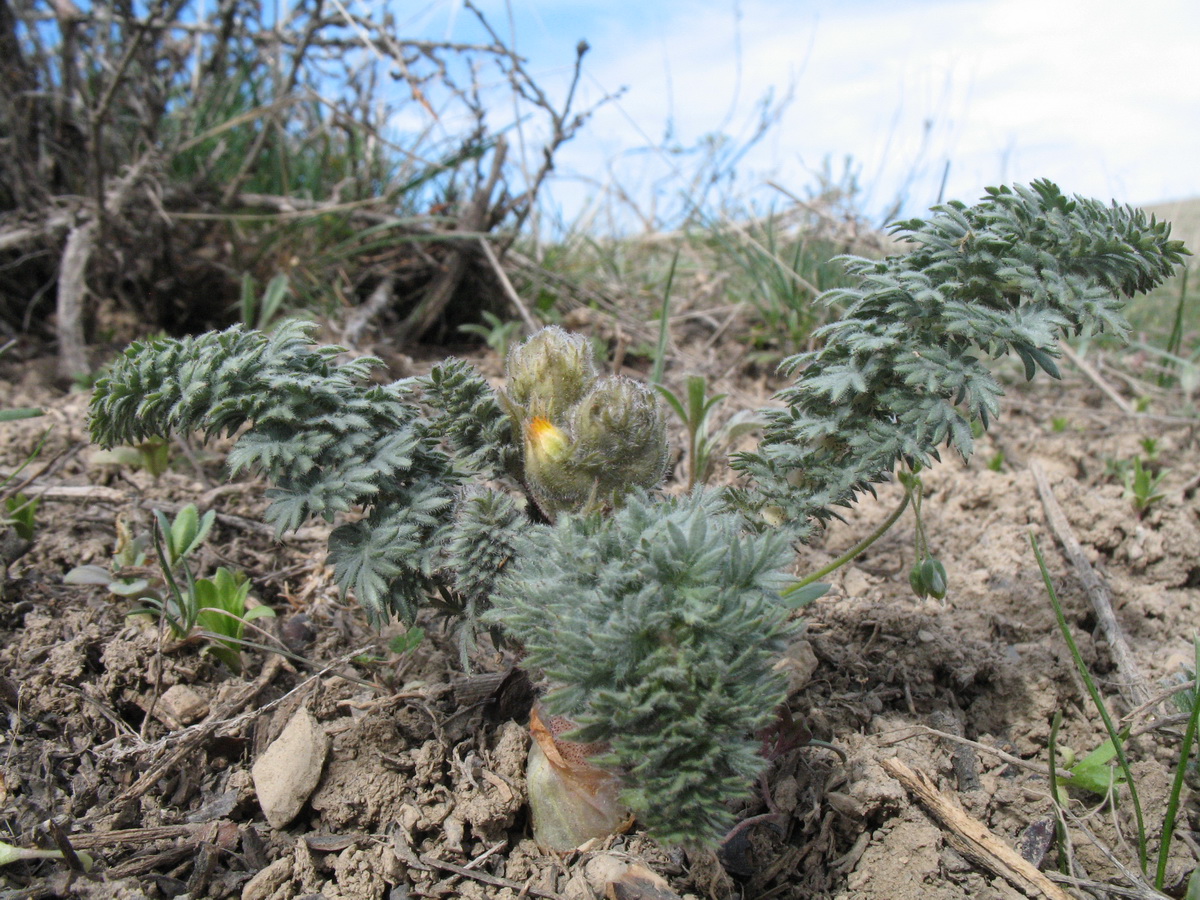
1096 95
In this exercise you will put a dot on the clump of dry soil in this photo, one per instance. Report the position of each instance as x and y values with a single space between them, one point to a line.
141 750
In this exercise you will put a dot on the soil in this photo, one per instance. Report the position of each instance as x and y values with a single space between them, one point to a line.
139 750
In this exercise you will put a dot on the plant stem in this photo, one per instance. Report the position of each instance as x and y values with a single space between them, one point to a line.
852 552
1168 830
1113 734
664 328
1059 830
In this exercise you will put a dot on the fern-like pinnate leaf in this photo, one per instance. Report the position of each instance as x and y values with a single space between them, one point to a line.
902 372
482 541
657 629
328 440
469 418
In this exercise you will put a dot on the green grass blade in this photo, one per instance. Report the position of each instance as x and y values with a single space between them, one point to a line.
1094 692
664 326
1060 834
1175 340
20 412
1189 735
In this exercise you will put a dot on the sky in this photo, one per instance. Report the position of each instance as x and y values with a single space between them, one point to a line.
1098 96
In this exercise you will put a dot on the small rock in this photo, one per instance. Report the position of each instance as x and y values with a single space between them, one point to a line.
269 880
183 704
799 662
616 878
297 633
287 773
855 583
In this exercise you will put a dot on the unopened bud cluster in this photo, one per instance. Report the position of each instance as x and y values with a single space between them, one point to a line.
588 440
927 578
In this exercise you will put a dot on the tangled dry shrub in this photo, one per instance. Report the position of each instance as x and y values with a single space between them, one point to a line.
151 155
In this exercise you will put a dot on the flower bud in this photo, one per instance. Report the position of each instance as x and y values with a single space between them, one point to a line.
546 442
927 578
555 481
614 441
548 374
934 575
917 582
620 436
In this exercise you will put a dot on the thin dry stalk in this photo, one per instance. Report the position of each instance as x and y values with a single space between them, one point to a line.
972 837
1132 684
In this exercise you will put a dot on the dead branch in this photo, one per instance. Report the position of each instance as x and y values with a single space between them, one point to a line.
972 838
380 299
474 220
1083 366
1131 684
72 277
510 292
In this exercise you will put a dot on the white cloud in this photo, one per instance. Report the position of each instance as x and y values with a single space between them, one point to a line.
1103 95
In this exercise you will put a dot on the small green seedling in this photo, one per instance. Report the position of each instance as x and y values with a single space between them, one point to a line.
408 641
183 536
1142 486
1059 424
152 455
128 575
995 462
400 645
262 312
132 573
497 333
20 514
693 409
214 608
223 611
1095 772
1150 448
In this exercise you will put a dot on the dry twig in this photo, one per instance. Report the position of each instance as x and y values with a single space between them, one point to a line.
972 838
1132 685
1083 366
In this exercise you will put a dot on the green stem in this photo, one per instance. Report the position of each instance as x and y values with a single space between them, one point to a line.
852 552
1060 835
1113 734
922 543
1189 735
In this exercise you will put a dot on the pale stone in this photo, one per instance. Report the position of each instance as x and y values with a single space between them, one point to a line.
183 704
287 773
269 880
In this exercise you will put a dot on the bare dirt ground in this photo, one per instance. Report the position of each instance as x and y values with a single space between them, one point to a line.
140 750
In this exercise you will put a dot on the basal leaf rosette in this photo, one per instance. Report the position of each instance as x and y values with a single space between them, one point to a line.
655 630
